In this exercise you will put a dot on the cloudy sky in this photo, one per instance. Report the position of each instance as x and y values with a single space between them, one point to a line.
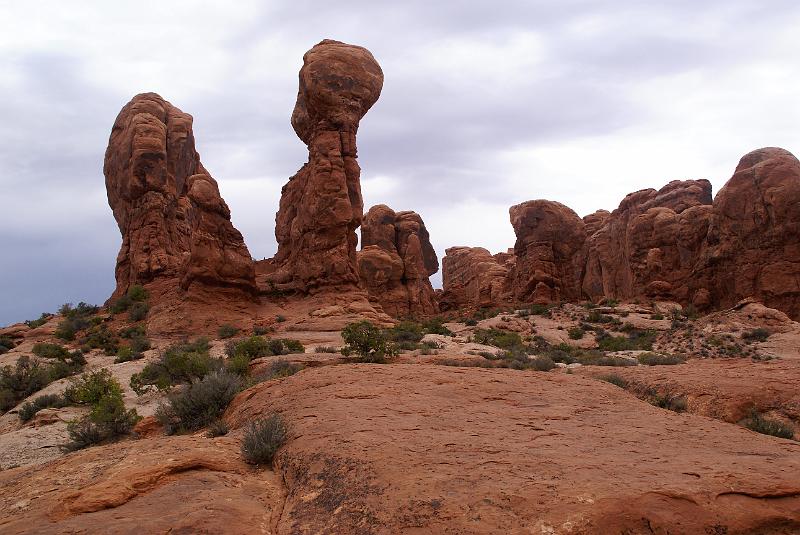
485 105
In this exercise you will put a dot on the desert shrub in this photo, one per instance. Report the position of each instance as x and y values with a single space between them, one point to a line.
260 330
108 420
325 349
121 305
199 403
289 345
756 335
542 363
21 380
217 428
596 317
636 339
656 316
127 354
138 312
436 325
575 333
539 310
263 438
6 344
406 331
179 363
82 433
669 401
281 368
100 337
44 318
134 331
369 342
75 319
50 351
252 347
471 322
615 380
28 410
658 359
137 293
497 338
91 387
766 426
227 331
598 358
280 318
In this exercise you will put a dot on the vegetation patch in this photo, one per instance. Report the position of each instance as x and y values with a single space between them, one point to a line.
658 359
28 410
263 438
179 363
756 335
576 333
767 426
498 338
41 320
227 331
369 342
75 319
615 380
27 377
199 403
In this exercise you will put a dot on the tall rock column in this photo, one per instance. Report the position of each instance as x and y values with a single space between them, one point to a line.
321 206
175 226
396 261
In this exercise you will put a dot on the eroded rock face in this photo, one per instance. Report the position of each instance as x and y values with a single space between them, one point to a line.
649 246
471 276
396 262
321 206
753 246
548 251
174 223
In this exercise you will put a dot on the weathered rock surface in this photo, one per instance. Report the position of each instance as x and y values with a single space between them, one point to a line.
548 251
321 206
175 226
396 261
501 451
471 276
753 247
671 244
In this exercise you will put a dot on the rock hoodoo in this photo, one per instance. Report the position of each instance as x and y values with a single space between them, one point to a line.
396 261
175 225
321 206
673 243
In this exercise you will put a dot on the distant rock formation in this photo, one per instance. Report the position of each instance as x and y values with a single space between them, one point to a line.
174 224
471 276
321 206
396 261
672 244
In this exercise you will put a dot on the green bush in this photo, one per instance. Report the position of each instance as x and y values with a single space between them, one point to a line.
44 318
281 368
598 358
325 349
134 331
280 319
137 293
6 344
756 335
100 337
28 410
260 330
406 331
179 363
471 322
138 312
227 331
497 338
241 352
121 305
576 333
636 339
263 438
766 426
217 428
669 401
436 326
83 433
108 420
656 316
127 354
199 403
50 351
91 387
369 342
20 381
657 359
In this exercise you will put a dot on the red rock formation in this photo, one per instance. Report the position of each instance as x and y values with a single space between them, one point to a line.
648 247
321 206
548 251
174 224
471 276
753 247
396 260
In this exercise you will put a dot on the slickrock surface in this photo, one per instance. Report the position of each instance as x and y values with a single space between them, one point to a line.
501 451
162 485
396 261
471 276
175 226
321 206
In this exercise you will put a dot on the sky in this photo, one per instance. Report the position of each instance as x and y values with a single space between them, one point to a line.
484 105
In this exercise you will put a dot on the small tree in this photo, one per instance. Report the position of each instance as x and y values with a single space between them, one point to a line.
367 341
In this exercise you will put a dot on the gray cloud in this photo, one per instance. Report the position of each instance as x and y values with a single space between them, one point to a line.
484 106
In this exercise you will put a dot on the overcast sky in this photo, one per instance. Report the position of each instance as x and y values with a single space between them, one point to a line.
484 105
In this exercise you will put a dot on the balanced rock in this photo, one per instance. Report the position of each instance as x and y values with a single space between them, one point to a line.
321 206
175 225
396 261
